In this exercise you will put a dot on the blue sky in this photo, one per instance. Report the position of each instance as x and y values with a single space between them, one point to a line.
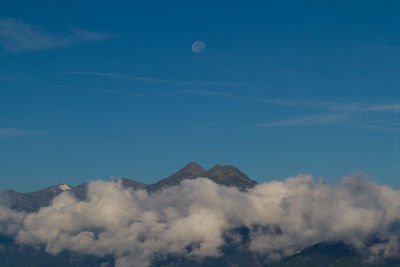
98 89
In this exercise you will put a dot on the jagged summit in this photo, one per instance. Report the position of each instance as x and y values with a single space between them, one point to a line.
32 201
223 169
132 184
226 175
190 171
230 176
192 167
221 174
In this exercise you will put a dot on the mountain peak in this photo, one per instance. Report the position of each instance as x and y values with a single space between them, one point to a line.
132 184
225 168
227 175
190 171
192 166
230 175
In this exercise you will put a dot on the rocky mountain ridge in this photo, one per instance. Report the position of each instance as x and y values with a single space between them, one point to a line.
224 175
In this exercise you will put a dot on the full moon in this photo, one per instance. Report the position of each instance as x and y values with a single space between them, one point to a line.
198 47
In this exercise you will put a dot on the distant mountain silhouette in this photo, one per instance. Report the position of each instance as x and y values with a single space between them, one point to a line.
229 176
223 175
34 200
190 171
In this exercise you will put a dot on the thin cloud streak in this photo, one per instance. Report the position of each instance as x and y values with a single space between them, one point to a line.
276 101
342 119
383 125
334 106
116 92
18 36
205 125
362 107
319 119
155 80
15 132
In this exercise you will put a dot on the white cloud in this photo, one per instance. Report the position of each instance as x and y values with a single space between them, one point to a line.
134 227
16 36
10 221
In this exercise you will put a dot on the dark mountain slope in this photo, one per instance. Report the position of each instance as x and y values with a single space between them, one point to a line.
34 200
14 255
229 176
224 175
190 171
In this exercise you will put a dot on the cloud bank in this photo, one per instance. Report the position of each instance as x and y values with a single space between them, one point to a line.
283 217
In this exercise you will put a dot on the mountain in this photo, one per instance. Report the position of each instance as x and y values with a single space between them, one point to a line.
224 175
235 252
133 184
34 200
319 255
229 176
15 255
190 171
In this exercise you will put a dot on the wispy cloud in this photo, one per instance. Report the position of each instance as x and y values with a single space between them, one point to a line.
391 126
390 47
341 119
116 92
88 36
155 80
15 132
334 106
17 36
205 125
276 101
363 107
318 119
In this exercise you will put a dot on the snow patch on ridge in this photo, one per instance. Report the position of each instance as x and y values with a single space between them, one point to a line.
64 187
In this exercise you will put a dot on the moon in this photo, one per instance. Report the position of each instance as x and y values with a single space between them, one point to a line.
198 47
